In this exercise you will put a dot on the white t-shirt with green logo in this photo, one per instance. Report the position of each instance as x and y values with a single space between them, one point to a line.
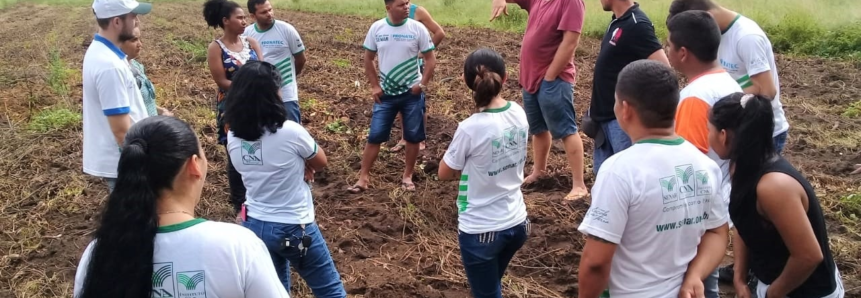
273 171
279 44
398 47
745 51
655 200
490 149
200 258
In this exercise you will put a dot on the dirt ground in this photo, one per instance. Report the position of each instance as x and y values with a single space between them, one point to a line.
386 243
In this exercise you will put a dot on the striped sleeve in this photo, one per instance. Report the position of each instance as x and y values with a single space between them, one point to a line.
692 122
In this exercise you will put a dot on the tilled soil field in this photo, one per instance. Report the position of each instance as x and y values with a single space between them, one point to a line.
386 243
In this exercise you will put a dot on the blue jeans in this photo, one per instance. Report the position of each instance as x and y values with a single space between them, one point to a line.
293 113
412 109
112 183
316 267
712 290
551 108
780 141
615 140
486 256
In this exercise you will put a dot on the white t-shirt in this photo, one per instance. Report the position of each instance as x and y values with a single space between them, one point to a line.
745 51
109 89
490 150
273 171
398 47
692 116
656 209
279 44
199 258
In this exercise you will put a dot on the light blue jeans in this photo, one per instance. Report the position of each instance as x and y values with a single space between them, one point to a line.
316 267
615 140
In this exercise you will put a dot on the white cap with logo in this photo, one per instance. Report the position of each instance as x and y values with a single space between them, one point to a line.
113 8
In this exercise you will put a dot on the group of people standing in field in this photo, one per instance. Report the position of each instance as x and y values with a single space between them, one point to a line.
676 167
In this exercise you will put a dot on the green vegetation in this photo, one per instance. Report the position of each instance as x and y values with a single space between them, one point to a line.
342 63
854 110
337 126
828 28
58 73
196 48
851 206
55 118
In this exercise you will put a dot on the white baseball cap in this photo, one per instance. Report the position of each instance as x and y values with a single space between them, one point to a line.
113 8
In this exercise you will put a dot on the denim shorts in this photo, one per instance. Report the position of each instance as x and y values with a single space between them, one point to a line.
412 109
615 140
293 113
551 108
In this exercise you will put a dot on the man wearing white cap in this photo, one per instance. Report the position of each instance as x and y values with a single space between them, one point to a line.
112 102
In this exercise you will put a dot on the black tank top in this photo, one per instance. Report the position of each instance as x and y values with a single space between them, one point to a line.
767 253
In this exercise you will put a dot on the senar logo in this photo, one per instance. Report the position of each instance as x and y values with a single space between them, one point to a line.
193 284
190 283
668 189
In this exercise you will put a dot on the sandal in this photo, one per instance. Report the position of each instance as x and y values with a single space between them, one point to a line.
355 189
400 146
408 186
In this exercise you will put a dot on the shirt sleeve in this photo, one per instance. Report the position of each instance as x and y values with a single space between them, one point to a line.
753 51
261 279
113 94
294 40
425 40
458 150
692 122
371 40
608 215
572 16
643 41
718 209
81 272
303 143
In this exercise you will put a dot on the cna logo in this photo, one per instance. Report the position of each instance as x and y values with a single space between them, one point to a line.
162 272
192 284
616 35
252 153
685 173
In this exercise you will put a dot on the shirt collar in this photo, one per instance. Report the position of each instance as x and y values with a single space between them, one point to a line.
110 46
627 13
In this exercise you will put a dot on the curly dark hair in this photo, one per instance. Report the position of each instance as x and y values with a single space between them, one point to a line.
214 11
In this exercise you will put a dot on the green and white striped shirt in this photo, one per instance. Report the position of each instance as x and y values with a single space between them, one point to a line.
398 47
280 43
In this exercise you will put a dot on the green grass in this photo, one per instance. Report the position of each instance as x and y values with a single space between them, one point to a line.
54 119
58 73
808 27
851 206
854 110
342 63
195 48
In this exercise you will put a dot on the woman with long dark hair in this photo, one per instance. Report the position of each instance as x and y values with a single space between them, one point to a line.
487 155
781 234
225 56
150 242
272 154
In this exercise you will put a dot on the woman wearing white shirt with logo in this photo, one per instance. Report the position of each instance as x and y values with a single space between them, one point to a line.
274 157
149 242
487 154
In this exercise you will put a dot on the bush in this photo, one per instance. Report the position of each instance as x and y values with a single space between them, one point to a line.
55 119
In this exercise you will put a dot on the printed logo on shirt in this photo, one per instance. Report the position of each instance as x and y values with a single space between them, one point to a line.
162 280
729 66
616 35
512 141
381 37
252 153
267 44
599 214
191 284
403 37
668 189
685 173
702 182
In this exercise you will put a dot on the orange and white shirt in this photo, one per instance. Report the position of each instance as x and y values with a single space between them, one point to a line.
692 116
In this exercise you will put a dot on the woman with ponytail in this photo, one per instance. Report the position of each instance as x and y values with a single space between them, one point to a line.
487 155
781 234
225 56
150 244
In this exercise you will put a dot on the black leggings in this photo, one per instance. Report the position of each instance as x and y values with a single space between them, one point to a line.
237 188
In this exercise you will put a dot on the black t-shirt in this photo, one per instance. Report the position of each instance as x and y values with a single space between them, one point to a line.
629 38
767 253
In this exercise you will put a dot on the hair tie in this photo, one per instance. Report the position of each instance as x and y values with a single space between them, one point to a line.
139 142
745 99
